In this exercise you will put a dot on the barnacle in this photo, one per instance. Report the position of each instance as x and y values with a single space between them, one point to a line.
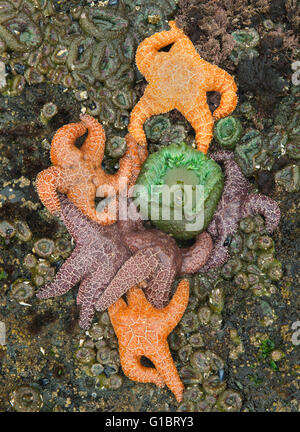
181 169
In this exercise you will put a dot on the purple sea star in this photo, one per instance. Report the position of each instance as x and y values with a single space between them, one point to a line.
236 203
157 259
109 260
98 255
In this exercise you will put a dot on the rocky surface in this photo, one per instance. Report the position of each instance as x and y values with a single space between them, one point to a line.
234 348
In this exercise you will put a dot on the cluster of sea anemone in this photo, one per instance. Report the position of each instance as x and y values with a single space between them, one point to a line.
85 49
178 188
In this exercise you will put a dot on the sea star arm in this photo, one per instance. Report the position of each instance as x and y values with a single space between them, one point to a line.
219 80
85 299
76 221
114 185
218 256
115 182
90 289
159 287
133 368
63 150
156 348
222 156
261 204
132 227
175 309
137 268
94 145
117 308
130 165
48 182
166 368
130 360
142 330
194 257
138 154
135 156
136 300
67 276
145 108
83 196
109 215
147 50
212 228
80 295
202 122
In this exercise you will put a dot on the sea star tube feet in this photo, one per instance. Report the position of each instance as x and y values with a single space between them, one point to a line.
180 79
142 330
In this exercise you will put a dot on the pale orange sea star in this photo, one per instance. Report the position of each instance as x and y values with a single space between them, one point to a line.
180 79
77 172
142 330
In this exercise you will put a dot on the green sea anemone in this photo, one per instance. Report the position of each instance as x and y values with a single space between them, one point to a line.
178 189
246 39
228 132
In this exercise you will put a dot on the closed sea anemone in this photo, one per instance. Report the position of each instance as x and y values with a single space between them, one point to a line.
228 132
178 189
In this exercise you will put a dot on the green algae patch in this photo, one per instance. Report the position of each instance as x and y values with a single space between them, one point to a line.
178 189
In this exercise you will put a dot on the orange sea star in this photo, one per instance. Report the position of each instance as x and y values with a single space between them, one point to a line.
180 79
142 330
78 173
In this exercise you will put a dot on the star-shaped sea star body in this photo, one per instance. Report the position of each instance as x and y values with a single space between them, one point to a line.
78 173
156 260
143 330
98 255
180 79
235 204
104 260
